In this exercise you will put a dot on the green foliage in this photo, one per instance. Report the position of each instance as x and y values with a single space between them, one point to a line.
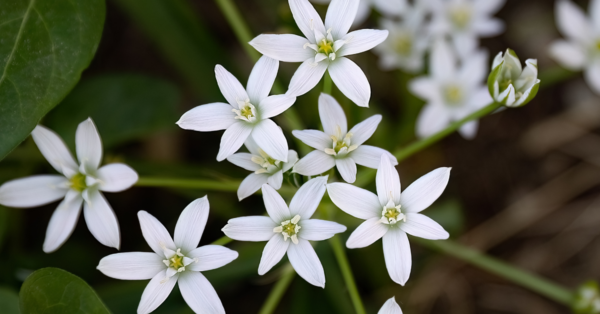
53 290
9 301
45 47
3 224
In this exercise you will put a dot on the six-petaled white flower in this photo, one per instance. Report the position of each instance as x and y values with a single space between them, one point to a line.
390 307
288 230
391 215
451 92
247 113
79 184
391 8
509 83
338 147
324 47
175 260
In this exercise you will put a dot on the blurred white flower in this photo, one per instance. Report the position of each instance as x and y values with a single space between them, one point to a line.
390 307
338 147
451 92
247 112
581 49
390 216
324 47
288 230
509 83
177 259
267 170
390 8
79 184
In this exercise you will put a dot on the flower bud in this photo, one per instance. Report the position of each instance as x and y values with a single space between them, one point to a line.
510 84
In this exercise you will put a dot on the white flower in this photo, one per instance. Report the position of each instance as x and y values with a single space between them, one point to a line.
289 230
451 92
581 50
266 169
173 260
247 114
324 47
509 83
390 8
78 184
390 307
465 21
391 215
338 147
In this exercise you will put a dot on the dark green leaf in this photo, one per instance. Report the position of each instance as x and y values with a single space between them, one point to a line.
9 301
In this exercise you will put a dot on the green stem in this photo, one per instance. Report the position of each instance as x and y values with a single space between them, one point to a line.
209 185
240 28
278 290
327 83
224 240
342 260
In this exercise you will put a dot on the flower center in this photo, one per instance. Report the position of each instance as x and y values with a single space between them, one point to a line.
453 94
247 111
403 44
78 182
268 164
461 16
391 215
289 229
325 46
176 262
341 145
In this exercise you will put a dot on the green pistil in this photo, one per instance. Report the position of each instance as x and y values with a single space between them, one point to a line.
78 182
325 47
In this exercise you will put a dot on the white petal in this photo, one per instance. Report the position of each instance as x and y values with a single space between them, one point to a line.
250 228
33 191
54 150
313 138
273 253
364 130
351 81
423 192
592 76
388 182
362 13
391 7
314 163
307 18
469 129
421 226
89 146
318 230
488 6
63 221
251 184
261 79
101 220
274 105
191 223
199 294
292 160
370 156
306 263
211 257
367 233
243 160
286 48
340 15
155 234
275 180
390 307
594 11
132 266
396 251
270 138
362 40
209 117
347 168
443 61
156 292
425 88
308 197
233 138
116 177
230 87
275 205
474 69
465 44
485 27
355 201
432 119
306 76
572 21
332 116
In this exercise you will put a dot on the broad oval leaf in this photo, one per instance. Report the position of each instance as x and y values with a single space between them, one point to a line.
44 47
9 301
55 291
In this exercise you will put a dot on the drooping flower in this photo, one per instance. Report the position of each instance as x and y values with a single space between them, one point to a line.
266 169
79 184
324 47
288 230
452 92
174 260
338 147
247 113
390 8
390 307
390 215
509 83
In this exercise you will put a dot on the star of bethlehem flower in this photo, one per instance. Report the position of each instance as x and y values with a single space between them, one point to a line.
174 260
338 147
247 113
390 307
78 184
581 49
452 92
324 47
390 8
288 230
509 83
266 169
391 215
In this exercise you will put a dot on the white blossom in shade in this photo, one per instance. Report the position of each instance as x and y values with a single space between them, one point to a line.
390 8
581 49
324 47
289 230
452 92
465 21
338 147
391 215
509 83
78 184
266 169
390 307
174 260
247 112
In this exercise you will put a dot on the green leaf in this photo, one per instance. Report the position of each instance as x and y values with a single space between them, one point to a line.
44 47
123 107
9 301
55 291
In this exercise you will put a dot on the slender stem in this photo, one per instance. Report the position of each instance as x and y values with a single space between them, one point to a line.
224 240
240 28
202 184
278 291
342 260
327 83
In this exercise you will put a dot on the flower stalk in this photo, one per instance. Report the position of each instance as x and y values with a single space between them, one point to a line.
287 274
